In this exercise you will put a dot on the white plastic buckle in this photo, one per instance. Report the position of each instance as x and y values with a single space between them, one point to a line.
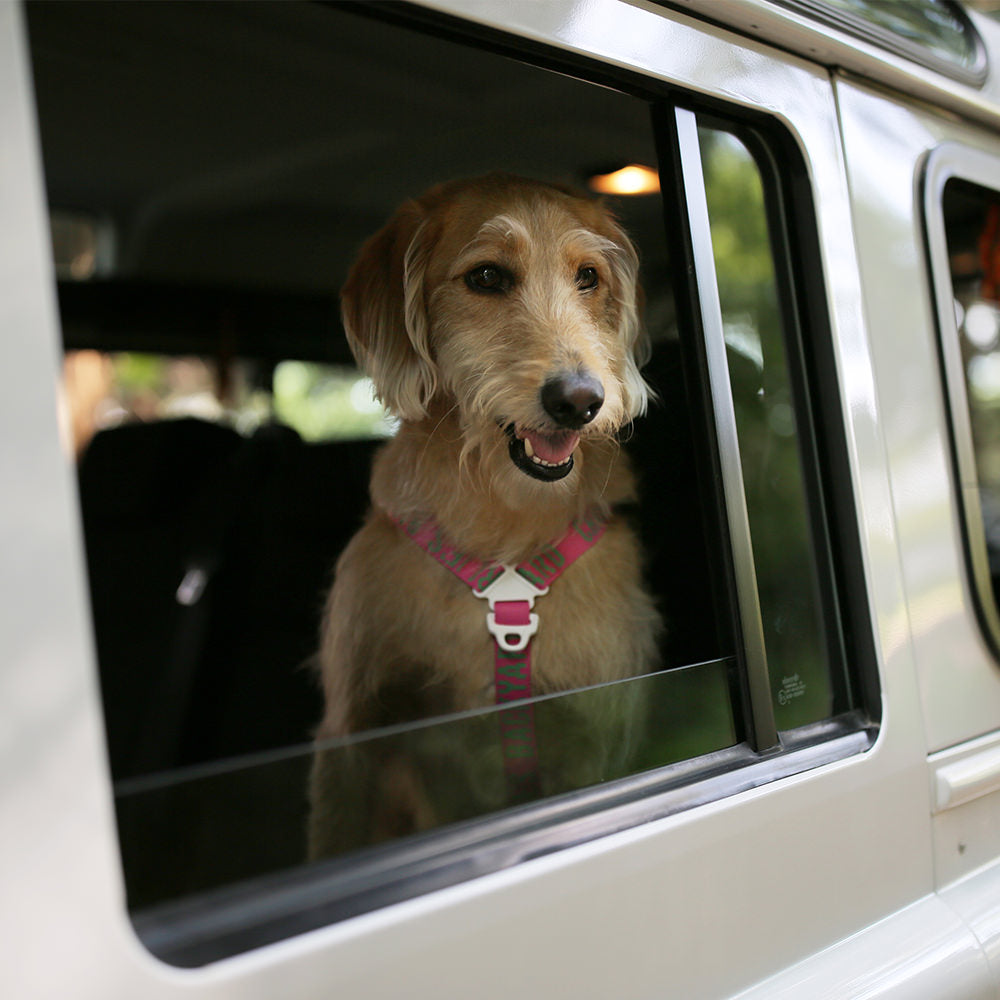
511 586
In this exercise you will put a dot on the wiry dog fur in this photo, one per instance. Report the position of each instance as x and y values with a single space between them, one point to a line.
471 300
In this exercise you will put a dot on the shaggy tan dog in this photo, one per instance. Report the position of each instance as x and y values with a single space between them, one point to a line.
498 319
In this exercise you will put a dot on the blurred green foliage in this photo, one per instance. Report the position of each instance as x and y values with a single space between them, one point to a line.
787 582
323 402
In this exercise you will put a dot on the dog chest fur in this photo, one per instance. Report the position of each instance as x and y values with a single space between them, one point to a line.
404 618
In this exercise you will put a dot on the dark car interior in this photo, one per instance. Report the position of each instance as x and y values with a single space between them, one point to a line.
238 155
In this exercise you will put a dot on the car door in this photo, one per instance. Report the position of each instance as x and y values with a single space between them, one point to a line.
939 454
781 804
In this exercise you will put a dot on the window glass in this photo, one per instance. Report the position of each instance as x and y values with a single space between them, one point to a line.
81 246
972 227
189 833
936 32
769 438
988 7
935 24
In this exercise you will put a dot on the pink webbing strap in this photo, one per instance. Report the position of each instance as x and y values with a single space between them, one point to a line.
511 592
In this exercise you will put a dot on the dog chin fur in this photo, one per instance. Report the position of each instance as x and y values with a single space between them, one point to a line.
479 497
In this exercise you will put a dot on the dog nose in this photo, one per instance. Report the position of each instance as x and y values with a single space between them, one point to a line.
572 399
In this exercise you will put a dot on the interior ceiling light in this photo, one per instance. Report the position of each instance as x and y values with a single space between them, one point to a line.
630 180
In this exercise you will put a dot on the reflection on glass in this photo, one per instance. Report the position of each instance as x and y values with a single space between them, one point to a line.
766 426
188 832
972 223
933 26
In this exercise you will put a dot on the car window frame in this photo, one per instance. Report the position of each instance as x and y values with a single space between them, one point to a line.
233 919
955 161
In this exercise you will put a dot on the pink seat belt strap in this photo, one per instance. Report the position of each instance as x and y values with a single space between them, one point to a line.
510 592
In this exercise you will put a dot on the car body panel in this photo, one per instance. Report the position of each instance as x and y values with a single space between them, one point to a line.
825 879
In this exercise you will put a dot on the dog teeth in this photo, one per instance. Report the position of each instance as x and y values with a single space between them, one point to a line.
530 452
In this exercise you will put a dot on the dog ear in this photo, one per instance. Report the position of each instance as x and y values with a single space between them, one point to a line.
629 295
384 315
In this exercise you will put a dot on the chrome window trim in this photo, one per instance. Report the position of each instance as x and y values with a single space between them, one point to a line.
868 31
947 162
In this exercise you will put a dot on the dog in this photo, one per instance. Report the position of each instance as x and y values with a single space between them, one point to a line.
499 320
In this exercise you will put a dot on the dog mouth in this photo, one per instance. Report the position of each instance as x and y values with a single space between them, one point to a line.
547 457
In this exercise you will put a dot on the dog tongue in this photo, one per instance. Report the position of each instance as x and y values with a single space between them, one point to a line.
553 448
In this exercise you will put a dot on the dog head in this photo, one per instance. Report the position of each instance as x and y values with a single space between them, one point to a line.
510 303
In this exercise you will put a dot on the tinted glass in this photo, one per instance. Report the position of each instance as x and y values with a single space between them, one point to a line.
972 226
783 550
188 832
935 32
934 24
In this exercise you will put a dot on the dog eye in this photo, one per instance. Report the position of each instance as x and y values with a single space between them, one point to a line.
488 278
586 278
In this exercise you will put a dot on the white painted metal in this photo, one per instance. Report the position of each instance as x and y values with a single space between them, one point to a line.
974 774
887 143
974 899
966 838
796 32
699 905
939 959
61 916
958 675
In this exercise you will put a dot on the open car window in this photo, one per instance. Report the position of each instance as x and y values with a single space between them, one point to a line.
238 201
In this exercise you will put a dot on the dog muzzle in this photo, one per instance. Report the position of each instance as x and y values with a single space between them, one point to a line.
547 457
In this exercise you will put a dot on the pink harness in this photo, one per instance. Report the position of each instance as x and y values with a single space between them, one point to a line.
510 592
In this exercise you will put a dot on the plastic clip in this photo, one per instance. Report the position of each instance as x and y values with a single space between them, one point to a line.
511 588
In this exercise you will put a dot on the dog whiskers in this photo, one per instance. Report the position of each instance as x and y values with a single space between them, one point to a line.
616 448
437 426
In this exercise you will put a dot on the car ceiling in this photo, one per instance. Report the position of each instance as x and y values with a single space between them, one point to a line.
258 144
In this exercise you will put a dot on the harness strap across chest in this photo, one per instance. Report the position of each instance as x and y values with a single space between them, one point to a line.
510 592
